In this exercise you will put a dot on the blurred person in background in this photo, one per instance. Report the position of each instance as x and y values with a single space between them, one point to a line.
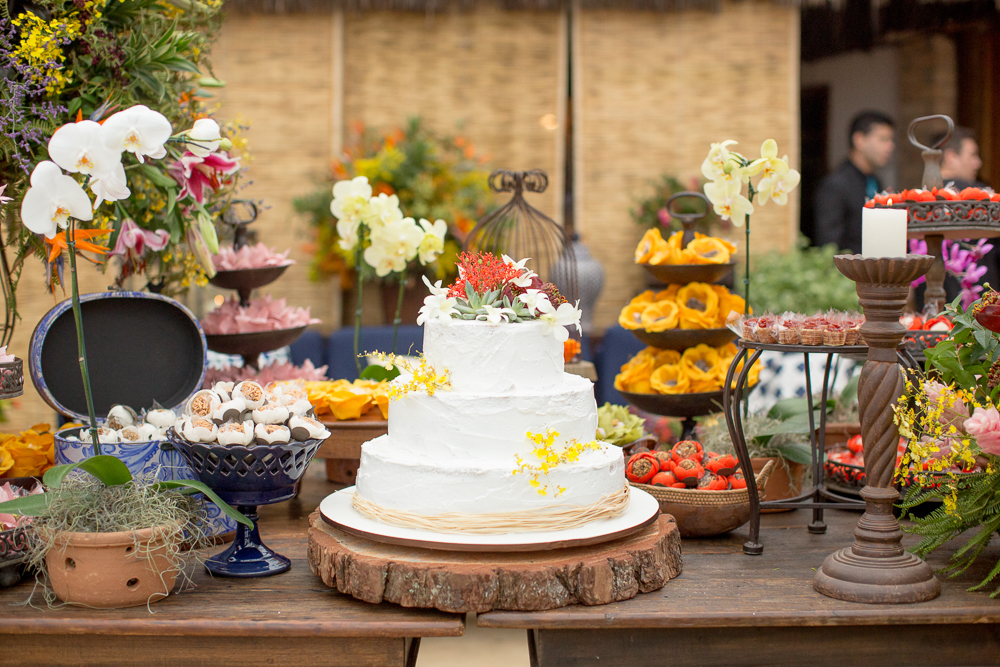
842 194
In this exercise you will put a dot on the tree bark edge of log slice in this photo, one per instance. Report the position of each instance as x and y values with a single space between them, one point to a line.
462 582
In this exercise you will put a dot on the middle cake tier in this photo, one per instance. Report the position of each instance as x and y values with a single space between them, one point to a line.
465 425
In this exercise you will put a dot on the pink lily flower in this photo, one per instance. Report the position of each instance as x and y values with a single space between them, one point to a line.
133 241
195 173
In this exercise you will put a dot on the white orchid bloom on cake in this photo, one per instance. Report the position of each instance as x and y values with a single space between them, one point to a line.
435 289
495 314
777 188
204 137
138 130
432 244
382 210
393 245
532 298
52 198
715 163
524 278
77 148
728 206
557 319
437 305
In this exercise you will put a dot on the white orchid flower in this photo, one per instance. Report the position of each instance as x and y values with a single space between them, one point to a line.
435 289
52 198
138 130
432 244
382 210
393 245
777 189
111 185
351 199
769 166
727 206
532 298
437 306
509 261
77 148
524 278
495 315
204 137
715 163
347 230
557 319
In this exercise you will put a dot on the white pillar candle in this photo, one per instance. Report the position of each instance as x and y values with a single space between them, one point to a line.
883 232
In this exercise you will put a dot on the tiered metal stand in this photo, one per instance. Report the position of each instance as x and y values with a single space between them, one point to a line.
817 498
684 406
249 345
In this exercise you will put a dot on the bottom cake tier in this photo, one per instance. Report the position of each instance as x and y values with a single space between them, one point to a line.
393 478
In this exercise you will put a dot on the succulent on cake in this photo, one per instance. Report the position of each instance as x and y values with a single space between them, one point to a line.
499 290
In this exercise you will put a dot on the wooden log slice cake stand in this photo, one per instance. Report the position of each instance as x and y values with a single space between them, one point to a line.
480 581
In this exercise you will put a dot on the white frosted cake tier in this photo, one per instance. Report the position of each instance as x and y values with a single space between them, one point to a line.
394 479
453 425
494 358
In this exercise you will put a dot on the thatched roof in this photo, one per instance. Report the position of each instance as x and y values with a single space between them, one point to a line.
439 6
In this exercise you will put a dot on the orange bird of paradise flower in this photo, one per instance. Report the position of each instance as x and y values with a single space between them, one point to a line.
59 244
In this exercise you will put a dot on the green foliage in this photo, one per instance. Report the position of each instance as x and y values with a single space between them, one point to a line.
802 280
615 424
965 357
379 373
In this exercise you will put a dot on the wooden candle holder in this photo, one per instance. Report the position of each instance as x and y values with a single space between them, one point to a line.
876 569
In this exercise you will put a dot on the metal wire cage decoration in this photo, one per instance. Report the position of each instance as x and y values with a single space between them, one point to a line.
519 230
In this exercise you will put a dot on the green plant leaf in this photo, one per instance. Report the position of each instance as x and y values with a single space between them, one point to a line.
202 488
108 469
795 424
790 407
27 506
379 373
799 452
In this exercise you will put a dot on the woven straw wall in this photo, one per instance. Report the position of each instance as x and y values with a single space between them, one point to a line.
652 91
488 75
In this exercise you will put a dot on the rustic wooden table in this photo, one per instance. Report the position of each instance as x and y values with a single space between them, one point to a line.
727 608
290 618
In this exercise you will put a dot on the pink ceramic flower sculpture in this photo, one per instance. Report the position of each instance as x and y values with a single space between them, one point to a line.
263 314
250 257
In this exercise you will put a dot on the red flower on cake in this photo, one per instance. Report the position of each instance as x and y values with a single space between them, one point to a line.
484 271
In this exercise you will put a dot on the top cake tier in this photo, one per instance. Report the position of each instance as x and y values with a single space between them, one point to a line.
494 358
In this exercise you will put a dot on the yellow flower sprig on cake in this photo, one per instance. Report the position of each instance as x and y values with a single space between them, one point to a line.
419 376
549 458
699 369
691 306
343 400
652 249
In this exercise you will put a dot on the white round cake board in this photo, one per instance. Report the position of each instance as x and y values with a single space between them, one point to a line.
643 509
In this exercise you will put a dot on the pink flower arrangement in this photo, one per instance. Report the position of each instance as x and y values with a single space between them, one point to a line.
196 174
272 373
263 314
961 261
250 257
8 492
133 241
984 425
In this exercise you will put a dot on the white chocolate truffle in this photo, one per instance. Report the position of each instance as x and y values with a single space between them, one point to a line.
148 433
307 428
289 393
199 429
300 407
271 413
161 418
236 433
120 416
130 434
203 403
272 434
231 410
105 436
251 392
224 390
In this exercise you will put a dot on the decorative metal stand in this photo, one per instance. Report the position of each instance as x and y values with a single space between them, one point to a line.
818 497
876 569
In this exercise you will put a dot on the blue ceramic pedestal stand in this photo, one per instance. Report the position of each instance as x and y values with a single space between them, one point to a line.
247 556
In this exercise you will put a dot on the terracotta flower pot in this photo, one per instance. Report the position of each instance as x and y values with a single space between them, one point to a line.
780 486
124 569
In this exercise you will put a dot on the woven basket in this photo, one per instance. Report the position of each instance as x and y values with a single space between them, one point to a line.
706 513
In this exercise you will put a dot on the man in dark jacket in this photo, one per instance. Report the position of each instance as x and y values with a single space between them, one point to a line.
842 194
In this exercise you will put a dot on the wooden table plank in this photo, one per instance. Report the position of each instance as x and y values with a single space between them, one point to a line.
262 621
722 588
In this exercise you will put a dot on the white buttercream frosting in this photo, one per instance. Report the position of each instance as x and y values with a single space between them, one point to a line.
456 451
494 358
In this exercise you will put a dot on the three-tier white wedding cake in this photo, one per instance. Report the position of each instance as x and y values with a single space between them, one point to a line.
465 450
